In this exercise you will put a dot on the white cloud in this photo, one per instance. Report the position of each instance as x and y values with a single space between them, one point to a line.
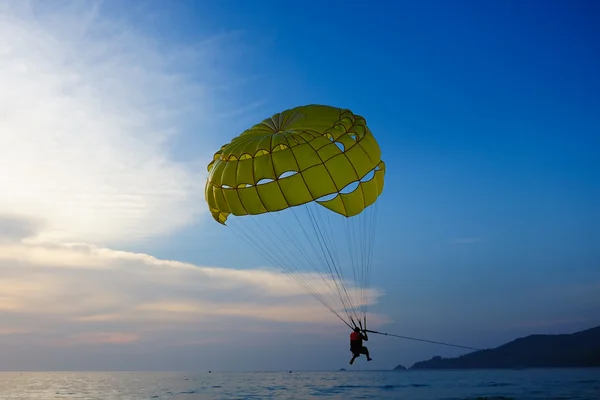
86 110
87 293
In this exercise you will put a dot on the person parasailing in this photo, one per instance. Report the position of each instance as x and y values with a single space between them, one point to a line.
302 187
356 345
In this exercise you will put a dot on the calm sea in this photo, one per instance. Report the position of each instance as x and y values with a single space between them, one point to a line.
567 384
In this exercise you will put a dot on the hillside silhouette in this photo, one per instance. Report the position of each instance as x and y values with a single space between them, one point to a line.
579 349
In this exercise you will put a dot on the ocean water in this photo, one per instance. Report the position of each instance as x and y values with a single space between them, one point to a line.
546 384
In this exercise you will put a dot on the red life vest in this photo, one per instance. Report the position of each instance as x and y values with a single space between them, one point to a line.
355 336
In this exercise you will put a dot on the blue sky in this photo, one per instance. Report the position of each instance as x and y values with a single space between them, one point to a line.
486 113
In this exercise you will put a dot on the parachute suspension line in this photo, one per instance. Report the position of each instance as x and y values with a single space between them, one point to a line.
353 300
360 233
287 240
364 248
355 250
301 249
360 246
296 272
352 249
308 238
423 340
330 263
298 275
358 267
331 272
252 240
351 310
374 210
275 256
328 284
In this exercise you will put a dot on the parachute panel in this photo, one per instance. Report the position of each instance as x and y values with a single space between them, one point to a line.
271 196
251 200
306 156
319 181
359 158
341 170
284 161
295 190
233 201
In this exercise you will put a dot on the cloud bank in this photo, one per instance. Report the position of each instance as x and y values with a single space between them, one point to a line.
68 293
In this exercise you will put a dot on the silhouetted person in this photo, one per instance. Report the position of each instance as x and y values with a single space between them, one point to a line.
356 346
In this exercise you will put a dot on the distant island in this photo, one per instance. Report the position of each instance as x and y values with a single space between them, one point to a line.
579 349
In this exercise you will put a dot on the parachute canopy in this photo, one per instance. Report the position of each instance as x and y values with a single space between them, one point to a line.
317 159
296 157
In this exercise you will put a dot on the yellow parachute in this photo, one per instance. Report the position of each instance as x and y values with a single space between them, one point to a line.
288 181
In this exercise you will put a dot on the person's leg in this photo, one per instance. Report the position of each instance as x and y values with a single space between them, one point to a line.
365 351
